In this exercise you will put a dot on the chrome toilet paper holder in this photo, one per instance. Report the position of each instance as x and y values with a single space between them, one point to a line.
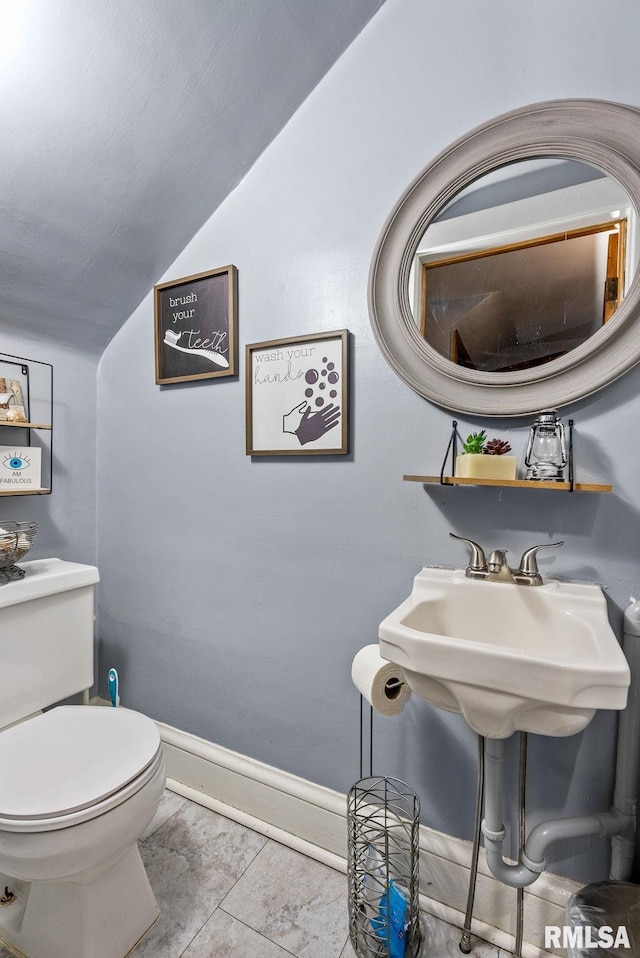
392 687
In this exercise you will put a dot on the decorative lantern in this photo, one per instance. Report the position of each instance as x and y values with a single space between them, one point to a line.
546 454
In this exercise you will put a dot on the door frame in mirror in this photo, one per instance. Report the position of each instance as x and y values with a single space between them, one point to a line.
603 134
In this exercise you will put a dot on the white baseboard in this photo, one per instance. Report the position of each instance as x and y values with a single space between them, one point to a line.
312 820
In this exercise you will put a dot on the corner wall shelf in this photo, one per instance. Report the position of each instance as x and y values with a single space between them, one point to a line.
25 425
28 492
32 390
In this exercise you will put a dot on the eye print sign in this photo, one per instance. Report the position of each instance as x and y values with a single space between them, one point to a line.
20 468
297 396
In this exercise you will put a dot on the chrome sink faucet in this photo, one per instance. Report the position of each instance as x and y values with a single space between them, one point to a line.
497 569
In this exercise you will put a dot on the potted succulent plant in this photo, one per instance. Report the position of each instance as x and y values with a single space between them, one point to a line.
484 458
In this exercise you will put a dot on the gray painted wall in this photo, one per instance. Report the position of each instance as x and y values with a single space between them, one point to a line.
235 592
124 125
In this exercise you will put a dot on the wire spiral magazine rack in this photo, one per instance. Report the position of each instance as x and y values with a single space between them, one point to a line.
382 868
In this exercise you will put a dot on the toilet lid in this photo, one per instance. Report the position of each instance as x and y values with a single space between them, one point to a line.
71 758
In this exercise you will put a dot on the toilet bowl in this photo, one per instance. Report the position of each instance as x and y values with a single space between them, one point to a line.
79 785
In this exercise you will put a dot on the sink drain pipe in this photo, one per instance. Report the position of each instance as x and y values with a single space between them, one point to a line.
532 862
625 795
618 824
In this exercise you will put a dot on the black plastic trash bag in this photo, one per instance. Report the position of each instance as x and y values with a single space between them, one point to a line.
603 921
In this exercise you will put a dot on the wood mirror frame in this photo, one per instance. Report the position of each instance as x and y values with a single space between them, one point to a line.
605 135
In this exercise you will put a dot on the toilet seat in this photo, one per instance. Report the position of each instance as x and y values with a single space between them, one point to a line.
72 764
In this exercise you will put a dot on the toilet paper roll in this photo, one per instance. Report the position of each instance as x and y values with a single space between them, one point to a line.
377 680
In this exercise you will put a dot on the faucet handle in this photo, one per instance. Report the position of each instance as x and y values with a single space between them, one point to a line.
529 560
477 561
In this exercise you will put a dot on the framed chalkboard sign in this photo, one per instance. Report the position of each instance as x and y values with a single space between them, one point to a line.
196 320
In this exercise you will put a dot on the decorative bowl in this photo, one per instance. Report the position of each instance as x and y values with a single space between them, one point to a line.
16 539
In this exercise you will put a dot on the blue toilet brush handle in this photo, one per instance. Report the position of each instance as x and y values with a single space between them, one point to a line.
113 687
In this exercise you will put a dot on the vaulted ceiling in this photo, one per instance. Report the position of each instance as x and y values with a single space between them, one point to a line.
124 125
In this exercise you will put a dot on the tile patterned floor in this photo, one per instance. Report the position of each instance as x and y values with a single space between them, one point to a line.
229 892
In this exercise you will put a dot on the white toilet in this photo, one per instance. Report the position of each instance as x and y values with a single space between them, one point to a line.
78 784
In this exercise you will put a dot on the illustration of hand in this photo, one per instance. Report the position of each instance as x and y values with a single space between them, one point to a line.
314 425
291 421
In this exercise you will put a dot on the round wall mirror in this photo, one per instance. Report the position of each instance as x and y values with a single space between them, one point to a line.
504 280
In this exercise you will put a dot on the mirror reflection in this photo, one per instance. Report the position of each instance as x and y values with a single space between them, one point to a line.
524 265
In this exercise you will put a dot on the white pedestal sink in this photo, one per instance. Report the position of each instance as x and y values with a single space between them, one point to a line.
508 657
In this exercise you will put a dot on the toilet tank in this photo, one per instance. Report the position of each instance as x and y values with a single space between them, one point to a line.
46 636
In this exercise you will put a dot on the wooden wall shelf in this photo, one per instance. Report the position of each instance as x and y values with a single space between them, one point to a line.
513 483
25 425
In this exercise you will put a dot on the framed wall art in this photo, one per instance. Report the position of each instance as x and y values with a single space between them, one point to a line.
297 396
196 327
14 392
